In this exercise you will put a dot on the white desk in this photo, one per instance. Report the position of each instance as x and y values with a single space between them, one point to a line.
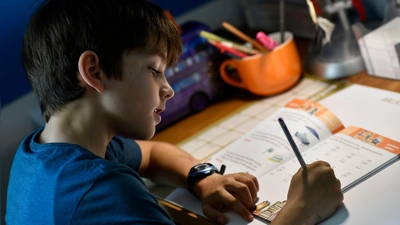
382 206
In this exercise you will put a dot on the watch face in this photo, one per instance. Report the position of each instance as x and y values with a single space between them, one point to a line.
201 167
204 168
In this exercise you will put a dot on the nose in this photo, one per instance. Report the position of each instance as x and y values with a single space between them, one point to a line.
167 92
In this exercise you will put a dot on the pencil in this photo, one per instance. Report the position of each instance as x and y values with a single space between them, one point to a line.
224 49
240 48
226 42
312 12
292 143
282 19
243 36
208 35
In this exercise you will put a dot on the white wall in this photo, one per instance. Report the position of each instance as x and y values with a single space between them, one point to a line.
16 122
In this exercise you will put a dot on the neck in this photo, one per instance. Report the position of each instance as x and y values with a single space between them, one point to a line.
76 124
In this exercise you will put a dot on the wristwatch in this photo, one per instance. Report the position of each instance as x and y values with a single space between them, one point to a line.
199 172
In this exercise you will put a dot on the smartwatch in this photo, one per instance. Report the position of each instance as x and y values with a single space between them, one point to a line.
199 172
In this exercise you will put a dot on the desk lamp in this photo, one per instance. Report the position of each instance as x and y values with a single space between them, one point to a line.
341 56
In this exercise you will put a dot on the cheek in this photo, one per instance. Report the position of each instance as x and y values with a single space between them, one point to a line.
139 102
136 95
147 93
132 110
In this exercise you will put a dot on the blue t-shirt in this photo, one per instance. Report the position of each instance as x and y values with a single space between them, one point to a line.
61 183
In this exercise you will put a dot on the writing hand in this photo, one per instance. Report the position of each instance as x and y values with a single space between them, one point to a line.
313 196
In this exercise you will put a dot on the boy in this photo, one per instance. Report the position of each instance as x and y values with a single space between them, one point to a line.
96 68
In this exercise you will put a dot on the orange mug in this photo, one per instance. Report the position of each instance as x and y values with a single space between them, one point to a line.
267 73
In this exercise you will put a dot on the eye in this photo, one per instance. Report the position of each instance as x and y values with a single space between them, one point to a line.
154 71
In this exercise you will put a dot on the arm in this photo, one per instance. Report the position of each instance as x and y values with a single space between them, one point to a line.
167 164
164 163
313 196
113 198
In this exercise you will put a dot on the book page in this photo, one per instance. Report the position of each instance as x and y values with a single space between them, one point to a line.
371 108
354 153
266 146
380 50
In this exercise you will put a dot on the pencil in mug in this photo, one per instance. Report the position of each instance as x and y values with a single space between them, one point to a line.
282 19
240 48
243 36
225 49
211 36
226 42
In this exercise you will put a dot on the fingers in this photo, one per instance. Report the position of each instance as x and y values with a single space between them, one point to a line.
214 214
231 201
318 189
241 195
245 187
235 191
322 169
319 163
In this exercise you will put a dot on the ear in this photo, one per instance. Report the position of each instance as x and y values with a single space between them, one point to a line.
89 70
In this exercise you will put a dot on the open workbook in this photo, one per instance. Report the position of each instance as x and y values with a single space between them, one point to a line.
356 130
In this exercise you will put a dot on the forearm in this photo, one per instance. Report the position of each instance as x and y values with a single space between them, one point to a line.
165 163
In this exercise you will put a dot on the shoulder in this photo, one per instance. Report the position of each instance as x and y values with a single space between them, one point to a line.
120 195
118 143
125 151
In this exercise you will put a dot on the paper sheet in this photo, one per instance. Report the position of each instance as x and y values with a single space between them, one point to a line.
380 50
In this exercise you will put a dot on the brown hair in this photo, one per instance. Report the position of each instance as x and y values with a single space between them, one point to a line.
61 30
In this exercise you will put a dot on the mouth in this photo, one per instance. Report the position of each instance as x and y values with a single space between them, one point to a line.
159 111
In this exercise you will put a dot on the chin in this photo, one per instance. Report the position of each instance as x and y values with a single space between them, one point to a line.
141 134
148 137
147 134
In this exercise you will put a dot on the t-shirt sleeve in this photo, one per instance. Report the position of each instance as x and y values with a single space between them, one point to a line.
125 151
119 197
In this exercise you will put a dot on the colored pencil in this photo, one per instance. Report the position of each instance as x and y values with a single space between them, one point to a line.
243 36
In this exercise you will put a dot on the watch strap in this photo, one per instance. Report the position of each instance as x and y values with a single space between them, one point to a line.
197 175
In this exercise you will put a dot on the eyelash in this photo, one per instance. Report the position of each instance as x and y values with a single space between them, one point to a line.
154 71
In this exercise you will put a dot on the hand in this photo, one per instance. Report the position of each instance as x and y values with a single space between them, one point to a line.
237 191
313 196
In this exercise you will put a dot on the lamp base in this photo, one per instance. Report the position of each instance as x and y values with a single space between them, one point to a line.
337 59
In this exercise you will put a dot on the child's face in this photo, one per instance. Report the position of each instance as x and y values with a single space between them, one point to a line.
135 103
